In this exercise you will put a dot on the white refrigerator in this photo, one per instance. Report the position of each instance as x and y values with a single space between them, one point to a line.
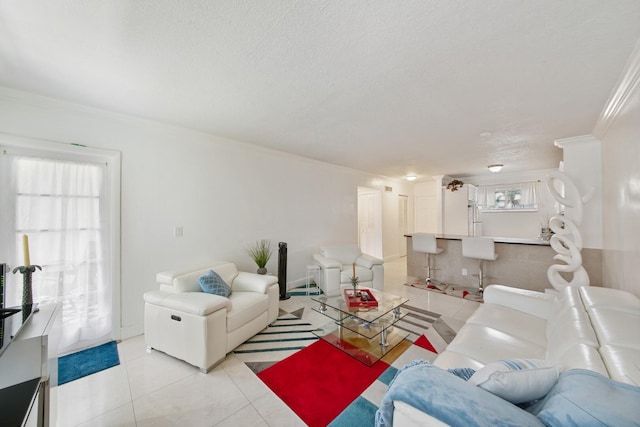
460 215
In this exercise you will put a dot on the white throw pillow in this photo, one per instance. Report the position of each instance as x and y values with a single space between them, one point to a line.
518 380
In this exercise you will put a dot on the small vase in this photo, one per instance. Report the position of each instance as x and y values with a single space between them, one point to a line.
262 270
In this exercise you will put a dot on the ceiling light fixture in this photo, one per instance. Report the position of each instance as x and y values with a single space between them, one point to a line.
411 177
495 168
486 133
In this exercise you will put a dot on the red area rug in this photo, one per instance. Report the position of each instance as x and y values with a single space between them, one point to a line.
320 381
423 342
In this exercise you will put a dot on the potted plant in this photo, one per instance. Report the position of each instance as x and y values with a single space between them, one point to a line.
454 185
260 252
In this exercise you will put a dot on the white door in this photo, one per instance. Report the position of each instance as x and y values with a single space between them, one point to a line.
403 217
370 222
62 202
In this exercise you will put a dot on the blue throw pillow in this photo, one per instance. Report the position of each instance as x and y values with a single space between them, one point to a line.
464 373
212 283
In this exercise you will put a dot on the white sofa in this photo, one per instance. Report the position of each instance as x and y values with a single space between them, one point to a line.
201 328
589 328
336 268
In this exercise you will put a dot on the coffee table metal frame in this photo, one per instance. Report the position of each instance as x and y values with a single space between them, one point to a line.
365 333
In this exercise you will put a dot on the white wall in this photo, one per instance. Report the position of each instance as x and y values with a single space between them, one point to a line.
224 193
426 206
619 132
582 163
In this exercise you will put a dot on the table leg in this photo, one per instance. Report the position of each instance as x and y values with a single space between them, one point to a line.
383 335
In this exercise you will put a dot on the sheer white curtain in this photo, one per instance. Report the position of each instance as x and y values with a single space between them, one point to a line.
486 195
62 206
529 193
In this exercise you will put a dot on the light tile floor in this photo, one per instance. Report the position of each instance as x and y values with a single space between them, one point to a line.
153 389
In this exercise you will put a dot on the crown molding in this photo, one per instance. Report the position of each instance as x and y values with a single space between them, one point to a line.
627 83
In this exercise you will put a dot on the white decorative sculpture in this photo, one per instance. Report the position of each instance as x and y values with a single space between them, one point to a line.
567 240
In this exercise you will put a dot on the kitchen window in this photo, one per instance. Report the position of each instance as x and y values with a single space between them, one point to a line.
522 197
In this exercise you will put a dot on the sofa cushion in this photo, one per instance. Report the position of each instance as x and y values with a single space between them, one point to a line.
622 363
517 380
616 327
571 327
452 359
487 345
363 274
346 254
596 297
519 324
212 283
245 306
586 398
577 356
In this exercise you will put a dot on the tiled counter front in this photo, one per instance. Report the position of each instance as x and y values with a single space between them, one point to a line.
521 263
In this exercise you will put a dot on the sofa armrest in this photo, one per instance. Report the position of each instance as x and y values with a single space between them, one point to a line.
198 303
531 302
326 262
368 261
251 282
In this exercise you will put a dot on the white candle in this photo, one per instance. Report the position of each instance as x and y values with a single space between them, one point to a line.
25 245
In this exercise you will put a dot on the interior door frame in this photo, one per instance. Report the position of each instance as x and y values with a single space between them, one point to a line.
375 213
113 160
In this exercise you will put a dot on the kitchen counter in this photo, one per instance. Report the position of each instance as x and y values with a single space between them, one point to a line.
512 240
521 263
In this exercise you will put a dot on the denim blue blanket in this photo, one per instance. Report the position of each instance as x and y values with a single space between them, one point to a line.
448 398
586 398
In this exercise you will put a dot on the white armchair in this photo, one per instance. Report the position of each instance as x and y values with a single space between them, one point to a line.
336 268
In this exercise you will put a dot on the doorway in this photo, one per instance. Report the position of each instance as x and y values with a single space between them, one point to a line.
370 221
403 225
66 200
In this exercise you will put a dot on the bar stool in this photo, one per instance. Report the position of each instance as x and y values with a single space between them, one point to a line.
426 243
312 271
481 248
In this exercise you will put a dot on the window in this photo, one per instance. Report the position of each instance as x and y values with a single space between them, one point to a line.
65 201
513 197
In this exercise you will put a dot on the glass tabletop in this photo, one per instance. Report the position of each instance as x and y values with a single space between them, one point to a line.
365 333
386 304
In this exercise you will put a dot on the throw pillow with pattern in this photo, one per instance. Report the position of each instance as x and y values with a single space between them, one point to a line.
212 283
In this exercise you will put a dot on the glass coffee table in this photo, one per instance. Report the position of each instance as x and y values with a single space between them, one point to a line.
365 333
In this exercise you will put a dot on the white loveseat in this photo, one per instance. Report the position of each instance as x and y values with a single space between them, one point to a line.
337 264
589 328
201 328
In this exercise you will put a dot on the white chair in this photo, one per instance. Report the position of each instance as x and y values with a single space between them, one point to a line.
337 264
480 248
426 243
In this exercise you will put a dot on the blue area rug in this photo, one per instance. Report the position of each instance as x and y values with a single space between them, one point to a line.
87 362
361 411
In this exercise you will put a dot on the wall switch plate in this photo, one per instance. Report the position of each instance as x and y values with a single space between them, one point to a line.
464 271
177 232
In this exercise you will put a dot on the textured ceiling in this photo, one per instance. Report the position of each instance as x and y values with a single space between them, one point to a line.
389 87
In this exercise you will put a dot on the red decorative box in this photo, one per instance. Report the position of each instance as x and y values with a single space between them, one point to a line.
357 301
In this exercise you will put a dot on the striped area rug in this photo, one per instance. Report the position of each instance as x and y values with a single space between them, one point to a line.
292 331
288 334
